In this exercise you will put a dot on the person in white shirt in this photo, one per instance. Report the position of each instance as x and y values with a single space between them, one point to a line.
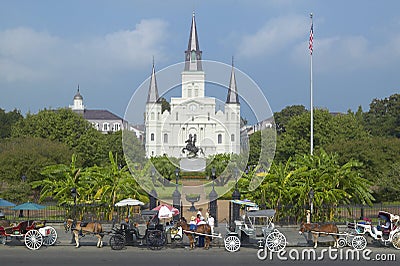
211 222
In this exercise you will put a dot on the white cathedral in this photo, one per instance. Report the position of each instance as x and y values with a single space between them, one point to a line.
193 114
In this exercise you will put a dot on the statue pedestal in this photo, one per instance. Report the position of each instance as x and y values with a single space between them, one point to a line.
192 164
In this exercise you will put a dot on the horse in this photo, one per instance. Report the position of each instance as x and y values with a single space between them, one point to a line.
79 228
320 230
193 151
202 229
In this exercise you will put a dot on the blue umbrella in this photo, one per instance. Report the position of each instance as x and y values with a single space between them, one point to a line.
6 203
29 206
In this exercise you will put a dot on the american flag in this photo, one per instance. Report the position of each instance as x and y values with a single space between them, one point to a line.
310 46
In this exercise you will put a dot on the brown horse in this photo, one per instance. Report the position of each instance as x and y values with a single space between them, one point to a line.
79 228
320 230
204 229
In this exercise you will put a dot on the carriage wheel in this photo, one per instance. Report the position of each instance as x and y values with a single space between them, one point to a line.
342 242
359 242
155 239
51 237
232 243
177 239
396 240
117 242
275 241
33 239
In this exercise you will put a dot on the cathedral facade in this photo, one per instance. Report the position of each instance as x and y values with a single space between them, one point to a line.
193 115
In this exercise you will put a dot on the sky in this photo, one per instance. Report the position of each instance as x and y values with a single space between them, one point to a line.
48 48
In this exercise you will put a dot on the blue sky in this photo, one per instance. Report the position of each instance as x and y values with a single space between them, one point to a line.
49 47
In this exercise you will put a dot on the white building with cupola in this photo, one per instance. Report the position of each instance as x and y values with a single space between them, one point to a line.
193 113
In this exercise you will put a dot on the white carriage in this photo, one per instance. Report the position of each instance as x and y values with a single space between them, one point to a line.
255 227
387 231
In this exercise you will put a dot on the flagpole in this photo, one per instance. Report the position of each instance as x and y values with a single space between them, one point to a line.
311 87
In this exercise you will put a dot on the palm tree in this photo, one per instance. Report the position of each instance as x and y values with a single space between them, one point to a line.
111 183
59 181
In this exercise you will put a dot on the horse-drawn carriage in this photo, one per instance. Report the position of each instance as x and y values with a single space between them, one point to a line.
387 231
247 231
356 233
34 233
156 235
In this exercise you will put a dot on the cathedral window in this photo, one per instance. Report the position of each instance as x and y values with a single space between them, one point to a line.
176 116
232 116
152 137
208 117
152 116
232 137
165 138
196 92
219 138
189 92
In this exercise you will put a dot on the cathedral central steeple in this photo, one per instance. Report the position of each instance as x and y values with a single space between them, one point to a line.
193 53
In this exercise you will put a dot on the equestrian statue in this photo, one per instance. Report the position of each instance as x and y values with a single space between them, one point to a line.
191 147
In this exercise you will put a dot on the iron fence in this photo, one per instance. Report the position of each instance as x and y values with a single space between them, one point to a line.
100 212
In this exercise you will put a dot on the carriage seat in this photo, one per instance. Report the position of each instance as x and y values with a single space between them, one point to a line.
84 223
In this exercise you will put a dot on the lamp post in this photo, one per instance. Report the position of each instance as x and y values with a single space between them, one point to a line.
213 198
311 196
176 196
153 193
236 196
74 194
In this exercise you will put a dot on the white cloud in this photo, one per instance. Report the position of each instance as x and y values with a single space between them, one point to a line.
128 48
349 53
29 55
277 34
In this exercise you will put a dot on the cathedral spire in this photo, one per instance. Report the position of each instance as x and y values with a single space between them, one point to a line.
152 96
193 53
232 91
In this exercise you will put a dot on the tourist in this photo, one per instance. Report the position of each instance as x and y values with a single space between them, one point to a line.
211 223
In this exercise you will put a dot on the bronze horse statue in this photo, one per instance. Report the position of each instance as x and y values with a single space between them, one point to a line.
320 230
191 147
204 229
80 228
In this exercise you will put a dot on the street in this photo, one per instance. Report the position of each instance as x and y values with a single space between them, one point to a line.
18 254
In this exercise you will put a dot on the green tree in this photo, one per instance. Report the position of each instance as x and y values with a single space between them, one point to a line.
111 183
65 126
378 156
287 185
27 157
58 182
383 117
7 120
283 117
328 129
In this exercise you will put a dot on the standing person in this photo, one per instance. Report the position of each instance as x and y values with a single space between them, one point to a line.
199 222
199 213
211 223
207 214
